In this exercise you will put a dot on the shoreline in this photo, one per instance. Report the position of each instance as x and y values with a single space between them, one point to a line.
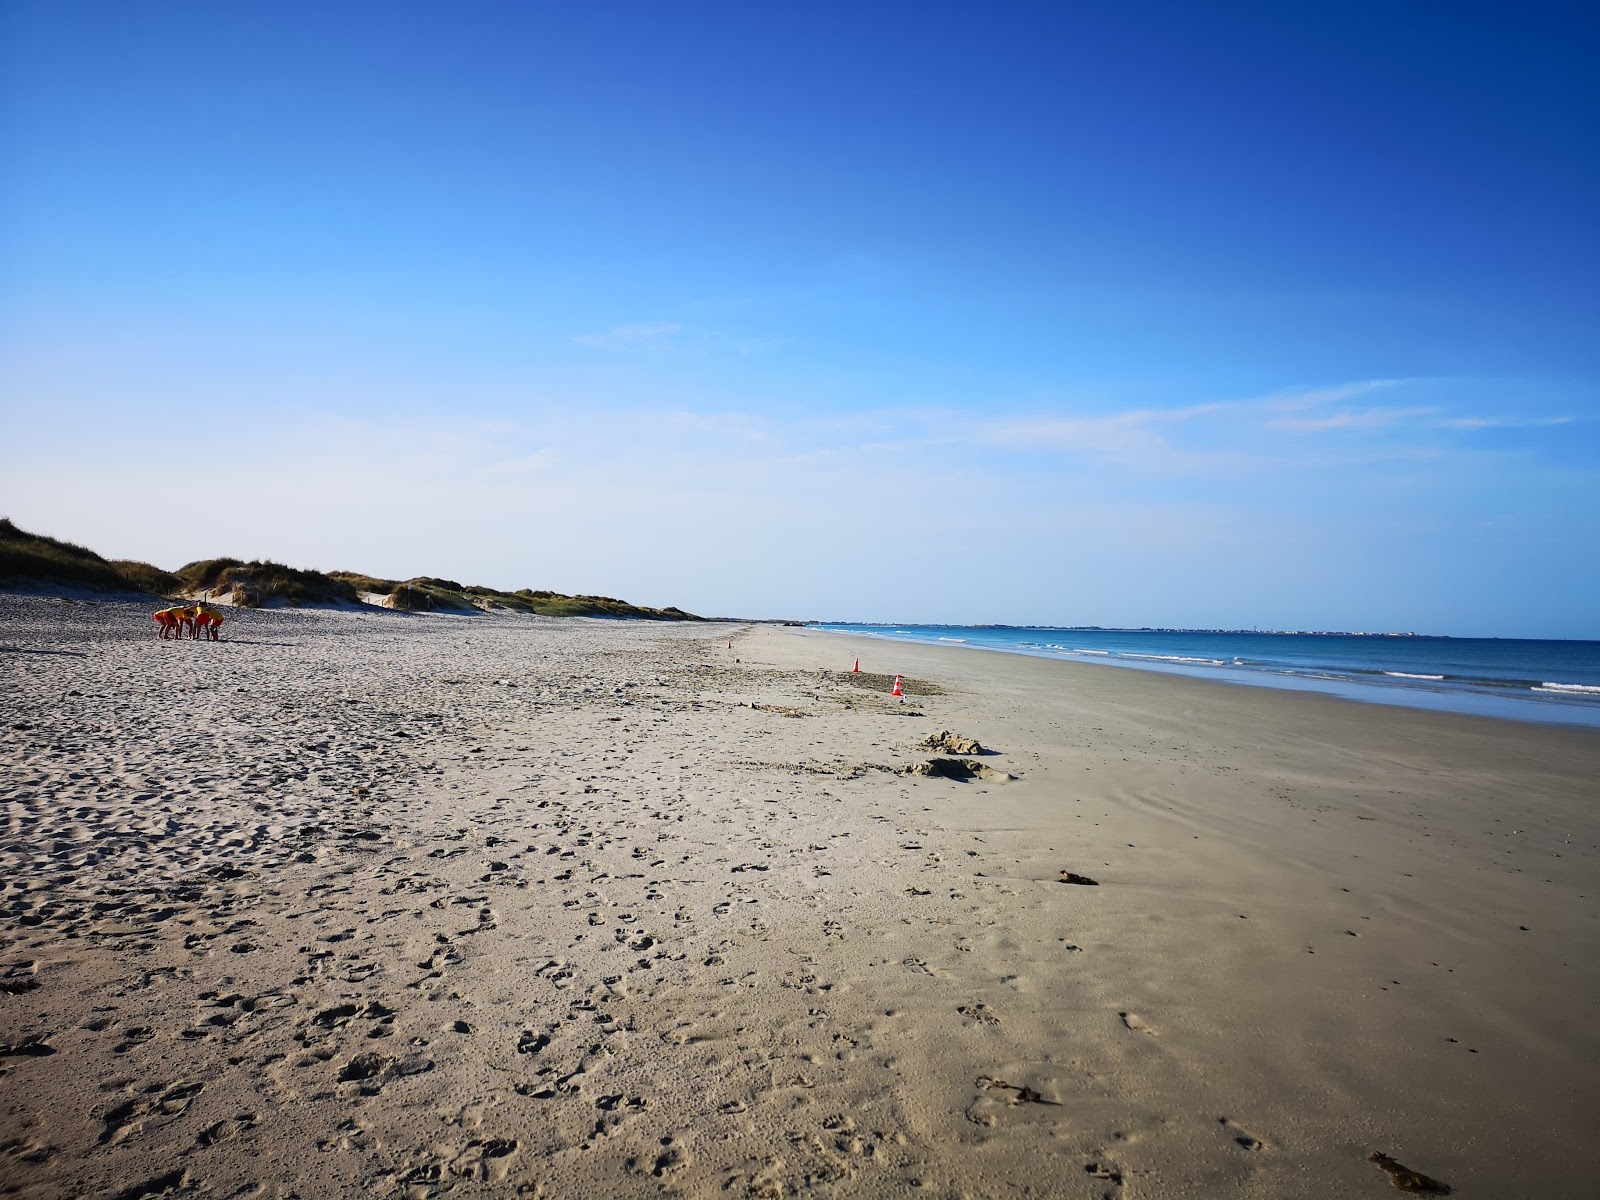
426 907
1511 706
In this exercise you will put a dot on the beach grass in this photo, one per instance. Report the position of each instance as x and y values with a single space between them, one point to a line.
253 584
431 594
33 557
146 578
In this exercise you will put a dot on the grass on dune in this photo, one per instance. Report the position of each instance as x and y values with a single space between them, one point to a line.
364 583
427 593
253 584
146 578
34 558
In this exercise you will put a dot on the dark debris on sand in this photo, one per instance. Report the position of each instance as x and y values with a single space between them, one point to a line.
956 768
1407 1180
872 682
951 743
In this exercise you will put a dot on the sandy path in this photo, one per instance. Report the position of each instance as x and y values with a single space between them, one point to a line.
412 905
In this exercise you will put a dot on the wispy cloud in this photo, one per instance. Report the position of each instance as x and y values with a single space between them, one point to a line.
1502 422
681 340
1118 436
1305 428
626 338
745 509
1300 399
1139 430
1350 419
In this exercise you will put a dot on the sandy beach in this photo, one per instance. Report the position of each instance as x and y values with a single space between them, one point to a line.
383 904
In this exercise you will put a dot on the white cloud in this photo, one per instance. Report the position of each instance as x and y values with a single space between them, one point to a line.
1301 399
1279 431
1358 419
1136 432
625 338
797 513
1501 422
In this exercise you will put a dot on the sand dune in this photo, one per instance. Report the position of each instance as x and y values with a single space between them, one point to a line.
385 904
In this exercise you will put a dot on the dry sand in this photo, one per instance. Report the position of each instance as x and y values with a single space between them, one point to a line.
381 904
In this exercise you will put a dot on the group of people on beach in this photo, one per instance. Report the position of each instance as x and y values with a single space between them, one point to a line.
199 621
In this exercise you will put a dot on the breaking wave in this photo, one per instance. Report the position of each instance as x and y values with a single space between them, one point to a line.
1179 658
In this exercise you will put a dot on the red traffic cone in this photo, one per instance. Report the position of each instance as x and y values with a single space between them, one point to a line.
856 670
897 692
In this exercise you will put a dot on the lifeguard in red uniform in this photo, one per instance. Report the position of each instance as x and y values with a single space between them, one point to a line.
207 622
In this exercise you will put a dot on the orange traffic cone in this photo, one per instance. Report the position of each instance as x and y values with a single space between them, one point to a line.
900 695
856 670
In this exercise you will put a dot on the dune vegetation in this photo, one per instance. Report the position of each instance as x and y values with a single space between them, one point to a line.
31 559
263 582
428 594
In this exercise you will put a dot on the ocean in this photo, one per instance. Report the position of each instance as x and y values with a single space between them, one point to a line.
1550 681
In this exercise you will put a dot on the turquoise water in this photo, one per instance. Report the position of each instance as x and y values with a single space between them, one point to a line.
1499 677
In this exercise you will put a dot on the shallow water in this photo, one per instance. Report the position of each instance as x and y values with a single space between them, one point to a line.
1517 679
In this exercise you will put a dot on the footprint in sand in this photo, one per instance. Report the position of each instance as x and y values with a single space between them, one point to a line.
160 1185
29 1151
1109 1174
155 1103
978 1014
32 1046
223 1131
1243 1140
486 1160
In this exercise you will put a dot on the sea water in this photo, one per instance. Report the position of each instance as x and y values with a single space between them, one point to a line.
1555 681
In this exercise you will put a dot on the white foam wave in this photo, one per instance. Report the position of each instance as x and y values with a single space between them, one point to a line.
945 639
1105 652
1215 662
1409 675
1580 689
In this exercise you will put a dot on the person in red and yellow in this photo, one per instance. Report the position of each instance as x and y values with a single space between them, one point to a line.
207 621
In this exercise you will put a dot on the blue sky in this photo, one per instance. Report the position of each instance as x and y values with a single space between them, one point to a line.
1186 315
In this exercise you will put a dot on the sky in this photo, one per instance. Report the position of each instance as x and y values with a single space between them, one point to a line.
1231 315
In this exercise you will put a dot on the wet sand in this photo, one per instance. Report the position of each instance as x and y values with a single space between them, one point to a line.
382 904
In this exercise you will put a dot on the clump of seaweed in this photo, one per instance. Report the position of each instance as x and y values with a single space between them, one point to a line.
1020 1094
951 743
1073 877
869 681
962 769
1407 1180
